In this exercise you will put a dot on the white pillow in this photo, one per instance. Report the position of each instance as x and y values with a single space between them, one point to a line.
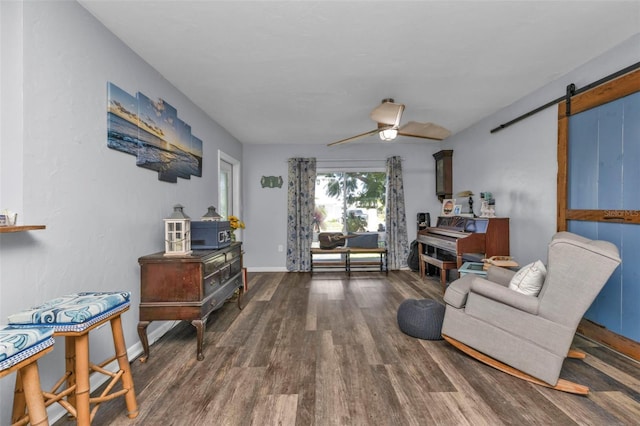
529 279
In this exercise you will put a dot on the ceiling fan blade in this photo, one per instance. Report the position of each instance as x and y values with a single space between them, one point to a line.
361 135
424 130
387 113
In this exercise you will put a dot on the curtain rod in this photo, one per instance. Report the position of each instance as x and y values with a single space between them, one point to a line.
568 96
357 160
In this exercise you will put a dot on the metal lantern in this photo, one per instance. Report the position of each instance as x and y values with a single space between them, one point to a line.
211 215
177 233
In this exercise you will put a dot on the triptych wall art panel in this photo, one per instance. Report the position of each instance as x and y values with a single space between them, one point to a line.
152 131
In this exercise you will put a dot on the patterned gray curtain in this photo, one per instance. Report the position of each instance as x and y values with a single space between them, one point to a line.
300 206
397 241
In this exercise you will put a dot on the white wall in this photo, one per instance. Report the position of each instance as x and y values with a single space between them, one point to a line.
519 163
102 212
266 208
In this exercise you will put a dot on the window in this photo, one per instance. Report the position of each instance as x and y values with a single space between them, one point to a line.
228 185
226 189
350 202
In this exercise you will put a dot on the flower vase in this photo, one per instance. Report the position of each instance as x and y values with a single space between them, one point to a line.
233 236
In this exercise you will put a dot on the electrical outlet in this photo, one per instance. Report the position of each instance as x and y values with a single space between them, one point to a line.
280 248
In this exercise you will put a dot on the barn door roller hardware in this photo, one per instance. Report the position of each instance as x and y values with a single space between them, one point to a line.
571 91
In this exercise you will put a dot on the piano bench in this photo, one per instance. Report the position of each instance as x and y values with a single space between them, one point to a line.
442 264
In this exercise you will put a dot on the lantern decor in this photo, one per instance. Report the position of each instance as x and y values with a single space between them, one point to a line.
177 233
211 215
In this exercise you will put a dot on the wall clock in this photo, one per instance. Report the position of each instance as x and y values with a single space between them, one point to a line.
444 174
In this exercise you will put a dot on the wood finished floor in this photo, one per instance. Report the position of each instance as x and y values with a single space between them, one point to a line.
323 349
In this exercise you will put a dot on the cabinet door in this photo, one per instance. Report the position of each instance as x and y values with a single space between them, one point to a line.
171 281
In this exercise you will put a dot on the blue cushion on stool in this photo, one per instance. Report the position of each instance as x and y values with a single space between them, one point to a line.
74 312
16 345
421 318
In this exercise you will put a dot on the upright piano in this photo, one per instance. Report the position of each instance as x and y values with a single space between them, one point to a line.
459 239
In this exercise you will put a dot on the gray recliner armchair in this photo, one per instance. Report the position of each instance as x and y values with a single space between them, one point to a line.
530 336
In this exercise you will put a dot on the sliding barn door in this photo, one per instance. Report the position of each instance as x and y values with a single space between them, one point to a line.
599 191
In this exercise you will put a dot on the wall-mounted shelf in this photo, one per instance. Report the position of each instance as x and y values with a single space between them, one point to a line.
21 228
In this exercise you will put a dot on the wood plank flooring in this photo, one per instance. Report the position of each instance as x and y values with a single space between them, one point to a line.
324 349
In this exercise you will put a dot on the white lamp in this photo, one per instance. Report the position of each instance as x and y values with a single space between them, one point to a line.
177 233
389 134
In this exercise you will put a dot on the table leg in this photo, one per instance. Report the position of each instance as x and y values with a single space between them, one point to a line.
199 325
81 373
70 364
123 363
142 333
240 294
19 401
33 395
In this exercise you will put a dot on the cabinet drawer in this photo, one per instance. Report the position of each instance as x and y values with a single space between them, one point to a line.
235 266
232 254
221 276
213 264
212 282
221 293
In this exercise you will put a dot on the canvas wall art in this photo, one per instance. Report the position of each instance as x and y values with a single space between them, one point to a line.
152 131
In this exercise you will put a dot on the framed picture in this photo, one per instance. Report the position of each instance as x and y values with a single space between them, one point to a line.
457 209
448 206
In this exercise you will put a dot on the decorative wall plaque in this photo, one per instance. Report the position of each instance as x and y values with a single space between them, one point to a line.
271 181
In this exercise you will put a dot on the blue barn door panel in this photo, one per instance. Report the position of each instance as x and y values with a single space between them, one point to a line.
631 160
583 161
606 309
610 122
604 174
630 319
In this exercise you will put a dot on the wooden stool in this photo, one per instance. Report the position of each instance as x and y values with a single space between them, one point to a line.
73 317
19 351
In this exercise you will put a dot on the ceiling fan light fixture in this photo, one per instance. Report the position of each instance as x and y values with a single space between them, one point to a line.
389 134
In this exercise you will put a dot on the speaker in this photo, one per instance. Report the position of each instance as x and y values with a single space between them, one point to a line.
424 221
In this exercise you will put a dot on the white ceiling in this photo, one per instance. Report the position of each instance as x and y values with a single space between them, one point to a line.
311 71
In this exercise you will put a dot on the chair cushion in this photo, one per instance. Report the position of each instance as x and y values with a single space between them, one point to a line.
457 292
421 318
17 345
529 279
74 312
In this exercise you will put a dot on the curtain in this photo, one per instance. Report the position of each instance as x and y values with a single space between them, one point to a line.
396 222
300 207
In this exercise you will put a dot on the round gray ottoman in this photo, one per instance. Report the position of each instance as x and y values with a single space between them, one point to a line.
421 318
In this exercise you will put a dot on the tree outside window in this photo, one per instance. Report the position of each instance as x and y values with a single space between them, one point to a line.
350 202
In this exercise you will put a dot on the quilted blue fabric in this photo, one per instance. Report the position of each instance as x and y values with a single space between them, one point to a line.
19 344
74 312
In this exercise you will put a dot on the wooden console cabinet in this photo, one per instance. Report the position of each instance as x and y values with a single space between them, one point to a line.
187 288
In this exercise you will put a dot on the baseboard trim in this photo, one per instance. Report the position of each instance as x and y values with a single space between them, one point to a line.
283 269
266 269
602 335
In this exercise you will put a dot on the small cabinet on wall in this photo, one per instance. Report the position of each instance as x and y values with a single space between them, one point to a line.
444 174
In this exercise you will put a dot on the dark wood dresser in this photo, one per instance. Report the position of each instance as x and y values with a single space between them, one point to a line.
187 288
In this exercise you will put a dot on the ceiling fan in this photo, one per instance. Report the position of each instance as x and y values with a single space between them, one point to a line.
388 115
